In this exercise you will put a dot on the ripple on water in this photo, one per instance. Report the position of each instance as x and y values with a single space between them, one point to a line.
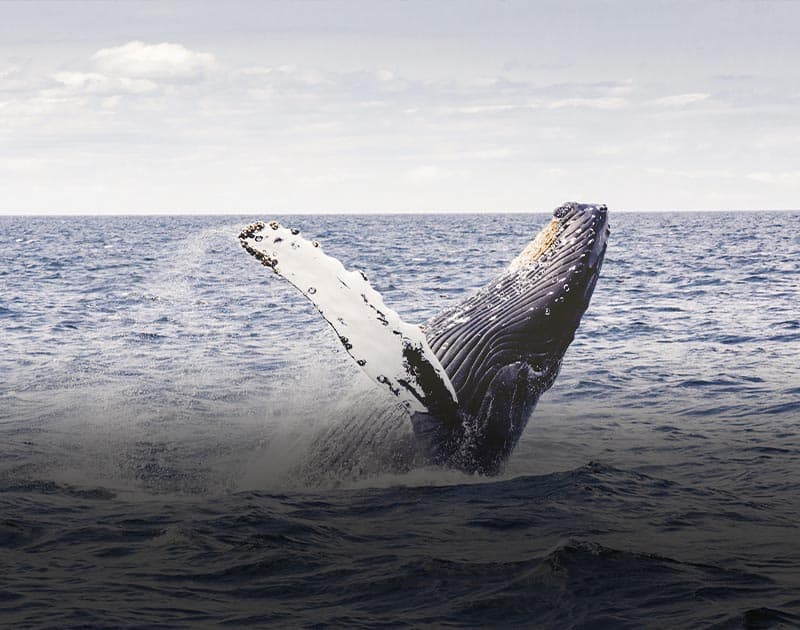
155 406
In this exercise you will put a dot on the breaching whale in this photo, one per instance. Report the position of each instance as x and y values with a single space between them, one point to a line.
470 377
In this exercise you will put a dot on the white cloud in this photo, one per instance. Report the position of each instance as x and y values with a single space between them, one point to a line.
8 73
608 150
680 100
96 83
22 164
763 177
783 177
154 61
429 172
488 109
480 154
603 102
698 174
776 140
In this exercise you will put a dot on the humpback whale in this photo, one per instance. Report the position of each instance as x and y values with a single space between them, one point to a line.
469 378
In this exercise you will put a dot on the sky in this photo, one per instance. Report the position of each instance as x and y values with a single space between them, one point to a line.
373 106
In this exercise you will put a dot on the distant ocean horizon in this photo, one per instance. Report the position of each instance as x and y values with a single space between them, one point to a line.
160 391
341 212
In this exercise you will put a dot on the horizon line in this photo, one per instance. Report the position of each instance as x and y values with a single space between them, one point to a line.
164 213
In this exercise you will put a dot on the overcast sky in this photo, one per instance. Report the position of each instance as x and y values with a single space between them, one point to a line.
398 106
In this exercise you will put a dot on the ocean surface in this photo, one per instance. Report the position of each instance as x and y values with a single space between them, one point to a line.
161 394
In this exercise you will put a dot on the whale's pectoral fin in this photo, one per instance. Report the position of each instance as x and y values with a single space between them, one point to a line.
392 352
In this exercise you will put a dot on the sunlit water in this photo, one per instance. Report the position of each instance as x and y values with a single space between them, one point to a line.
158 389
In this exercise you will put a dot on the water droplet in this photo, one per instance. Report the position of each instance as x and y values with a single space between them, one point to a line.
547 312
311 290
566 288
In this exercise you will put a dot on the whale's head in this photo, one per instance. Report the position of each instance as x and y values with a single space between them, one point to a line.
558 270
503 347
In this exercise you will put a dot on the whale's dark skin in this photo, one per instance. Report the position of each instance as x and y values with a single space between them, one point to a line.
509 349
471 383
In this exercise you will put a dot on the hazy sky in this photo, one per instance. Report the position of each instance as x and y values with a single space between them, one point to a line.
398 106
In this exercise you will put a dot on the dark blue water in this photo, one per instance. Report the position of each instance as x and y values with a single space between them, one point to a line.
159 392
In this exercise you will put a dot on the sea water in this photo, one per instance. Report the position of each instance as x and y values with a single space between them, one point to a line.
159 390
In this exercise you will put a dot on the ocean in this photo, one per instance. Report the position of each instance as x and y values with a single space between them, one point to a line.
161 393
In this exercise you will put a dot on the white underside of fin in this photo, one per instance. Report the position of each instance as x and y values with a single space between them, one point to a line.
372 333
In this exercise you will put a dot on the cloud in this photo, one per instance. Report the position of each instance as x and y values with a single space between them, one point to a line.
135 68
429 172
608 150
783 177
489 109
603 102
8 73
680 100
784 138
95 83
154 61
698 174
